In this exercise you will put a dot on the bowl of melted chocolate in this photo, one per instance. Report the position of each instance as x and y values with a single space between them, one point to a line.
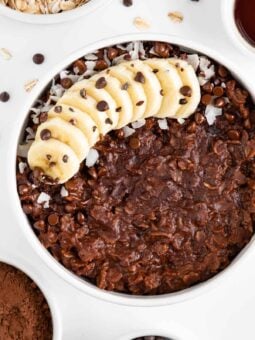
162 204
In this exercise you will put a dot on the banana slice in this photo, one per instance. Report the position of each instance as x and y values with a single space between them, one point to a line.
170 84
143 74
189 78
56 159
121 97
100 95
80 119
65 132
134 89
88 105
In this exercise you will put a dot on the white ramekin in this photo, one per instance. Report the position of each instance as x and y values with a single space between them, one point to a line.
44 19
228 17
22 222
26 269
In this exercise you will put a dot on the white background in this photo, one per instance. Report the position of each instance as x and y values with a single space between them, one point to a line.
227 312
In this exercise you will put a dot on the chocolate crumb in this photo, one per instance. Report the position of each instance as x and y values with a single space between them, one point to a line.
58 109
101 83
65 159
102 106
108 121
140 77
45 134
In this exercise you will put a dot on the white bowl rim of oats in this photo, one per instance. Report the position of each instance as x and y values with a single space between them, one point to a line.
54 18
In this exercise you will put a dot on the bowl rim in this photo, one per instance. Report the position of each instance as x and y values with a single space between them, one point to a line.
228 18
21 219
45 19
56 323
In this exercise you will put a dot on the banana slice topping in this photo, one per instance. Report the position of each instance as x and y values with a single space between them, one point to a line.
109 100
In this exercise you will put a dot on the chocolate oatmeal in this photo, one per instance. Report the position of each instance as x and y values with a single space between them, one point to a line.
165 204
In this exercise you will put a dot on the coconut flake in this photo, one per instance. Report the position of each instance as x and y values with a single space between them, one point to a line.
30 133
23 149
128 131
139 123
22 167
91 56
44 199
63 191
193 60
211 112
163 124
92 157
181 120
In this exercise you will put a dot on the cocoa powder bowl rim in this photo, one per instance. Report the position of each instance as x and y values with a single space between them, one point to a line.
25 268
23 223
46 19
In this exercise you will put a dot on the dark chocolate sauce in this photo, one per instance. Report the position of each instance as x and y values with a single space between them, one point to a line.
245 19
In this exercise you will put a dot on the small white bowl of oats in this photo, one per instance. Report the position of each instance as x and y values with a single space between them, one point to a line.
48 11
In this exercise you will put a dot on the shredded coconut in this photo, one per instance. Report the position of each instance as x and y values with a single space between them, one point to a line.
92 157
63 191
193 60
128 131
22 167
44 199
211 112
163 124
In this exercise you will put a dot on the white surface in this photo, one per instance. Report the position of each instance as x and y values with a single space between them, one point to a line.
227 312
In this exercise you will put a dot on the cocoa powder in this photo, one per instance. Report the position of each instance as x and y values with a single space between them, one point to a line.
24 312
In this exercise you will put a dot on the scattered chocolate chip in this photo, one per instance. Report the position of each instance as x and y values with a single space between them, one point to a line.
162 49
71 109
4 97
161 92
101 83
108 121
140 103
66 83
112 53
52 164
125 86
80 66
183 101
234 134
58 109
102 106
222 71
208 87
101 65
127 3
134 143
43 117
199 118
53 219
140 78
83 93
155 70
230 117
206 99
118 109
218 91
73 121
65 159
219 102
94 128
38 58
45 134
48 157
186 91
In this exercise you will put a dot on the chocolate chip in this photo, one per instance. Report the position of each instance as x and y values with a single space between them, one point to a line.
108 121
140 78
186 91
52 164
222 71
125 86
218 91
45 134
234 134
118 109
66 83
183 101
127 3
73 121
43 117
48 157
140 103
83 93
208 87
101 65
155 70
102 106
161 92
4 97
58 109
53 219
71 109
79 66
94 128
206 99
162 49
65 159
134 143
38 58
219 102
101 83
112 53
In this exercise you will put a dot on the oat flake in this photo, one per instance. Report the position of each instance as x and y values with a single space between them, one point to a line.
5 54
141 23
30 84
176 16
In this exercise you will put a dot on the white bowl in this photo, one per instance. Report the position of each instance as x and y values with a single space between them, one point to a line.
26 269
228 17
45 19
12 196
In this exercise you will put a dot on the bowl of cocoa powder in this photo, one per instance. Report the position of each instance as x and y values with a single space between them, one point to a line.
166 209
